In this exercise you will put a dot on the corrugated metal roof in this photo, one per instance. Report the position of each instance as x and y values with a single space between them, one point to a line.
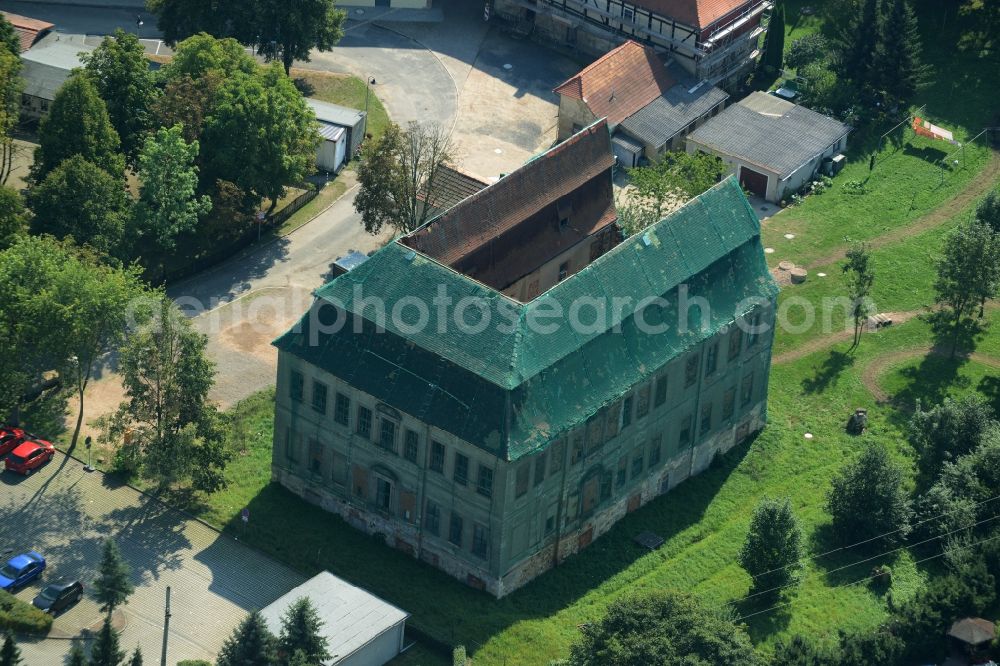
334 113
352 617
771 133
550 381
329 131
627 142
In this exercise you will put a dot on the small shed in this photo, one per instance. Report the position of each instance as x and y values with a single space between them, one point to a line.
773 146
360 628
337 147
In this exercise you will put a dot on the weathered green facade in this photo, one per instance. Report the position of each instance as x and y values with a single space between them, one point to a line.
496 454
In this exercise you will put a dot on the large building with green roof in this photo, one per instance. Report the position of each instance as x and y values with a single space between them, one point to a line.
493 391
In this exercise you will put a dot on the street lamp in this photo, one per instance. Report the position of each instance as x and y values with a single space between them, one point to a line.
369 82
138 23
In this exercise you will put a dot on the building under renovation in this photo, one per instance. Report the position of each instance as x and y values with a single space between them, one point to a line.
714 40
493 391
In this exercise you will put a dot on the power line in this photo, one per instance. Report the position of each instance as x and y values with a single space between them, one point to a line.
867 578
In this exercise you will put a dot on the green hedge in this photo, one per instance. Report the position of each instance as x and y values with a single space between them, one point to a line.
193 662
20 615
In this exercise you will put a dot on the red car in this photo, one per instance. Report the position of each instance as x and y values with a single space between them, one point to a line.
29 456
10 438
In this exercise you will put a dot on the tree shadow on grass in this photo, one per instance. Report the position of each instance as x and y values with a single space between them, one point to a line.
828 372
310 539
989 386
765 616
846 563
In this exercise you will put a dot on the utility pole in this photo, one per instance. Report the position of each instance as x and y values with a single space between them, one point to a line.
166 630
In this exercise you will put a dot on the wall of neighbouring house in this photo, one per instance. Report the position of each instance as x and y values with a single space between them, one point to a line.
574 115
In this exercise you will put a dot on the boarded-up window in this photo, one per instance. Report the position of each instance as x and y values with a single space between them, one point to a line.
408 506
728 403
540 468
315 457
655 451
339 472
480 540
735 343
747 392
291 445
660 395
691 371
591 494
556 456
626 418
706 419
521 485
642 404
638 460
613 420
622 475
576 455
359 481
685 437
595 432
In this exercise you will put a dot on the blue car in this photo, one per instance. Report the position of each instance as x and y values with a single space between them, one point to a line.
21 570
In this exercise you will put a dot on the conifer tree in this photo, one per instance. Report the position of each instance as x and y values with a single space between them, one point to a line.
113 585
251 644
300 632
896 69
10 654
106 650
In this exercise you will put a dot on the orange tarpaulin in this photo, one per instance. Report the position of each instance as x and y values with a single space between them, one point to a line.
924 128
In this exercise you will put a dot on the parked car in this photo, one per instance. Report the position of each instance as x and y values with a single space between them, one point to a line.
10 439
21 570
29 456
57 597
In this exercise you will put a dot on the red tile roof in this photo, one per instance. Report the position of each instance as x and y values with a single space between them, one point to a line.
28 29
512 227
695 13
620 82
451 186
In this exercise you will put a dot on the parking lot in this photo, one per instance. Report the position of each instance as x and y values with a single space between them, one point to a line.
65 514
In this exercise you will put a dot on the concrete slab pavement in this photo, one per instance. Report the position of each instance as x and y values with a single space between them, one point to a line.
65 513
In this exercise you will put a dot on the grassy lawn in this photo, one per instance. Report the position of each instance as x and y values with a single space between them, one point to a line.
326 196
345 90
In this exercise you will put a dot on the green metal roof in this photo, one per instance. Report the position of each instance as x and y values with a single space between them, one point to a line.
547 383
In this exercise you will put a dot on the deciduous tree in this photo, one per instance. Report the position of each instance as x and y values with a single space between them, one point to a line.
968 274
261 135
9 37
300 633
81 200
988 210
662 628
251 644
186 101
180 19
867 500
806 50
677 175
13 218
172 430
860 277
77 124
202 53
287 30
949 430
113 584
11 85
120 72
772 551
168 204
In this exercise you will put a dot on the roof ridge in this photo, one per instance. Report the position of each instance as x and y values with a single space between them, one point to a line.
579 75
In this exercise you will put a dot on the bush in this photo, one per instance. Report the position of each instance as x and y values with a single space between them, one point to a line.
807 50
855 187
194 662
18 615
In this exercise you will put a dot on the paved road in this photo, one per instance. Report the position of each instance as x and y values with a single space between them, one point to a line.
65 513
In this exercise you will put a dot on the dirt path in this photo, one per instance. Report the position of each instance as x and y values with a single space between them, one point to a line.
874 370
977 187
840 336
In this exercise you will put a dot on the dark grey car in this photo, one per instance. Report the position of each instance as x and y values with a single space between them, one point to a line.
57 597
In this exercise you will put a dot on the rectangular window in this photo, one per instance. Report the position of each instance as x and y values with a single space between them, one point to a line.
341 409
711 358
660 394
460 469
685 436
556 458
364 422
383 493
521 482
411 446
540 468
387 435
735 343
747 391
728 403
595 432
576 454
291 446
638 459
626 412
753 333
455 529
432 518
691 371
606 487
296 386
642 406
339 472
563 270
655 451
315 457
622 475
628 15
437 457
319 397
484 484
706 419
480 540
